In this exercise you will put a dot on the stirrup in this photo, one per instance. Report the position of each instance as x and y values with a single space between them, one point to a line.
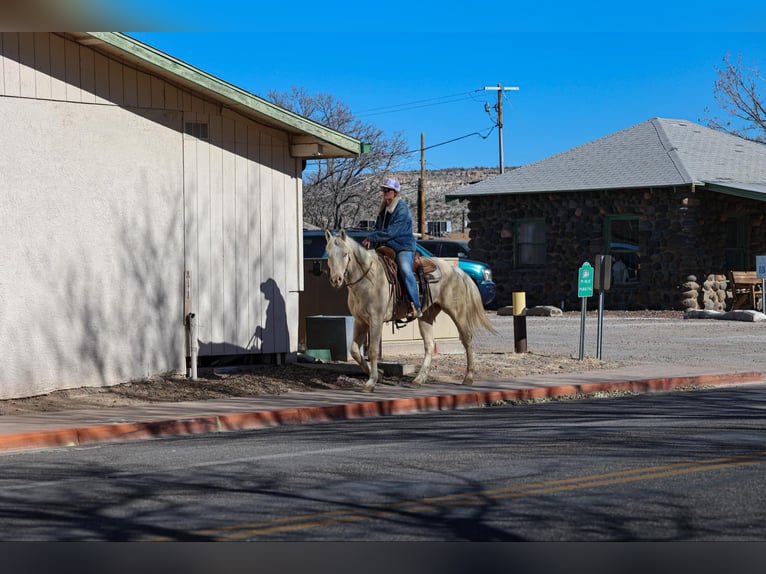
413 313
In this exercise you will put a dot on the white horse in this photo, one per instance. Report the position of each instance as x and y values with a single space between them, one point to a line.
371 302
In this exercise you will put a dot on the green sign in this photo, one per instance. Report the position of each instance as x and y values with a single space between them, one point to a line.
585 281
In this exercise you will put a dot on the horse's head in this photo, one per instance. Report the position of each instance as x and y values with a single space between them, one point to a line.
338 256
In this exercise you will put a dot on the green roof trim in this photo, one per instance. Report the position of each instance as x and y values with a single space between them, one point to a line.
745 190
229 91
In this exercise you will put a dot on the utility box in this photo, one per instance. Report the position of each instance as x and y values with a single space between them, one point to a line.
333 332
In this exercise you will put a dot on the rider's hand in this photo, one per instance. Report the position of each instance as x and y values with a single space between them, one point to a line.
366 243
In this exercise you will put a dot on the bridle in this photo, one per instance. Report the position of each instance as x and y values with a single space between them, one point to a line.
345 271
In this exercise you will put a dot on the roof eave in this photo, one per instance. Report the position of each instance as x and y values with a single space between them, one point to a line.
312 140
737 191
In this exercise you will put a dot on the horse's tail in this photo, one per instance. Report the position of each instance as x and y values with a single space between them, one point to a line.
476 317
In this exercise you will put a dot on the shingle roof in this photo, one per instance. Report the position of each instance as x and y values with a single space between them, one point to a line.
657 152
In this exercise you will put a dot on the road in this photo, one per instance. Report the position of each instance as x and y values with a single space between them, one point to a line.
681 466
728 345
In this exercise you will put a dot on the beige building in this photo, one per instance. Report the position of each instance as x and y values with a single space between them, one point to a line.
134 190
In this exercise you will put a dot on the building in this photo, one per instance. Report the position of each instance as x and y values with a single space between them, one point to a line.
136 190
666 198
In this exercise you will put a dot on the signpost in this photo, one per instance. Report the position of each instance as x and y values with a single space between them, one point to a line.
584 290
603 283
760 272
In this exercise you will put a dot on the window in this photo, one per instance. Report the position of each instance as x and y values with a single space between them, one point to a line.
529 245
735 242
622 244
438 228
366 224
196 129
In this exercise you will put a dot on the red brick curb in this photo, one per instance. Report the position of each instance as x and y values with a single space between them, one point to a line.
262 419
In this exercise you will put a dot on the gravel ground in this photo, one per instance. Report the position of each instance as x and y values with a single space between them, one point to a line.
552 343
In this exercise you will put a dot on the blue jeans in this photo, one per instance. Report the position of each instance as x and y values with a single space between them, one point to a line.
405 259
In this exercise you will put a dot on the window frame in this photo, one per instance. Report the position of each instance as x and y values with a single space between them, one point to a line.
632 274
519 245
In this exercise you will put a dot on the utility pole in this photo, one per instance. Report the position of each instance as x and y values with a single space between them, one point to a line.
499 107
422 188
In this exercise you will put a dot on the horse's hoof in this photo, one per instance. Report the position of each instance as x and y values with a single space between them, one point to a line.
418 382
468 382
368 387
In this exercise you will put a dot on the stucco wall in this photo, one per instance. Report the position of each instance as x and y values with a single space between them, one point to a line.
105 202
92 212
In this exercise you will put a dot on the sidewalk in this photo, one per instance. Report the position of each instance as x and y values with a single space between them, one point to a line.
87 426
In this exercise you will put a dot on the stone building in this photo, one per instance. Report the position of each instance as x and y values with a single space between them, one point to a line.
665 198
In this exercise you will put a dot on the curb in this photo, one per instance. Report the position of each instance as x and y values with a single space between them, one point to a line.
114 432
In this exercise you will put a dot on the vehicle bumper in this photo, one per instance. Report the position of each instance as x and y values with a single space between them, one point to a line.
487 291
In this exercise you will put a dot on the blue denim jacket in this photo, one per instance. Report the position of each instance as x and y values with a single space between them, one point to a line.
394 229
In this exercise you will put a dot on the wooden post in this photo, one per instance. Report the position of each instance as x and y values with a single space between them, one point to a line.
520 321
422 188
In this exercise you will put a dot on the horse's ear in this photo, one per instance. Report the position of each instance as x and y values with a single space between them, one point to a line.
343 234
327 235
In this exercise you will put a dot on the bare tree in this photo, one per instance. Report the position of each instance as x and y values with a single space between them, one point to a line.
338 192
736 92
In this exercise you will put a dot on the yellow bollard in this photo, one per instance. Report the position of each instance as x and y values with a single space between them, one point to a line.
520 321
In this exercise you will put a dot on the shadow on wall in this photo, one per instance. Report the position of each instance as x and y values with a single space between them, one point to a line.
274 334
267 340
122 301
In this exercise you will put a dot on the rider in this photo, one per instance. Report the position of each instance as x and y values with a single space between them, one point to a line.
393 228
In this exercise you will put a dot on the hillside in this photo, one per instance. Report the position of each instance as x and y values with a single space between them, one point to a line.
439 183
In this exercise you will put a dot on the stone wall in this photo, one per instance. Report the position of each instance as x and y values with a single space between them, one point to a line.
680 234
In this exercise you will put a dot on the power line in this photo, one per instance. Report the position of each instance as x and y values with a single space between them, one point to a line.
491 129
418 104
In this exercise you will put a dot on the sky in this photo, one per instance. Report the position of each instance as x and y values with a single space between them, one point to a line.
583 70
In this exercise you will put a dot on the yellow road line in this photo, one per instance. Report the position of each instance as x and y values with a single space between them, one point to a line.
314 520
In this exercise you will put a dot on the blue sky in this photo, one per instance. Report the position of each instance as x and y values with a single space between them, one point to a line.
583 72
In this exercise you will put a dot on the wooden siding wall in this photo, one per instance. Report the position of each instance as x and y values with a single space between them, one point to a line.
239 244
241 190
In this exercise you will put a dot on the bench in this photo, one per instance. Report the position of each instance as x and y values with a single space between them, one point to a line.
745 290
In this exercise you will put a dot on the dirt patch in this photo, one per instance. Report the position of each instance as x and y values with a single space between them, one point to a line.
276 380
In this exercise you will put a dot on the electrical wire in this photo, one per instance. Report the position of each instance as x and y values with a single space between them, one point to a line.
449 99
491 129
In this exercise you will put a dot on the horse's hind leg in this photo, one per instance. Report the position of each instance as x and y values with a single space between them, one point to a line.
427 332
467 339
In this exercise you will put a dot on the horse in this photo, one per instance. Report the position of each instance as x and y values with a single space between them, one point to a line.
372 303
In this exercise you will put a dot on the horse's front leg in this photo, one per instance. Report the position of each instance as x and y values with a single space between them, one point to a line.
376 335
360 336
427 333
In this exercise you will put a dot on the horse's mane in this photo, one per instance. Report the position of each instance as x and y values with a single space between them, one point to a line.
361 254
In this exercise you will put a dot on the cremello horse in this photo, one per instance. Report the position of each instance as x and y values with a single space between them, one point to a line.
371 302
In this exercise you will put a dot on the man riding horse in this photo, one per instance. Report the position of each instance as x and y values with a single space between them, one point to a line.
393 228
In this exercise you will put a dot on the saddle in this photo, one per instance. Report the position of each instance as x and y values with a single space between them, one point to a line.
425 271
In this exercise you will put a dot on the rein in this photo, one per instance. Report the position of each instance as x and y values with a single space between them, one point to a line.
363 274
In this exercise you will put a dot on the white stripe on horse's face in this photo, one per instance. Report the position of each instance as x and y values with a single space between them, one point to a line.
338 258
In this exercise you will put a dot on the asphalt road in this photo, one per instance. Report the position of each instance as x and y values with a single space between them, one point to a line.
730 345
681 466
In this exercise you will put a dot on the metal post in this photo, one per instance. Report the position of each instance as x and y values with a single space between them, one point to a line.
194 345
602 276
583 312
520 321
